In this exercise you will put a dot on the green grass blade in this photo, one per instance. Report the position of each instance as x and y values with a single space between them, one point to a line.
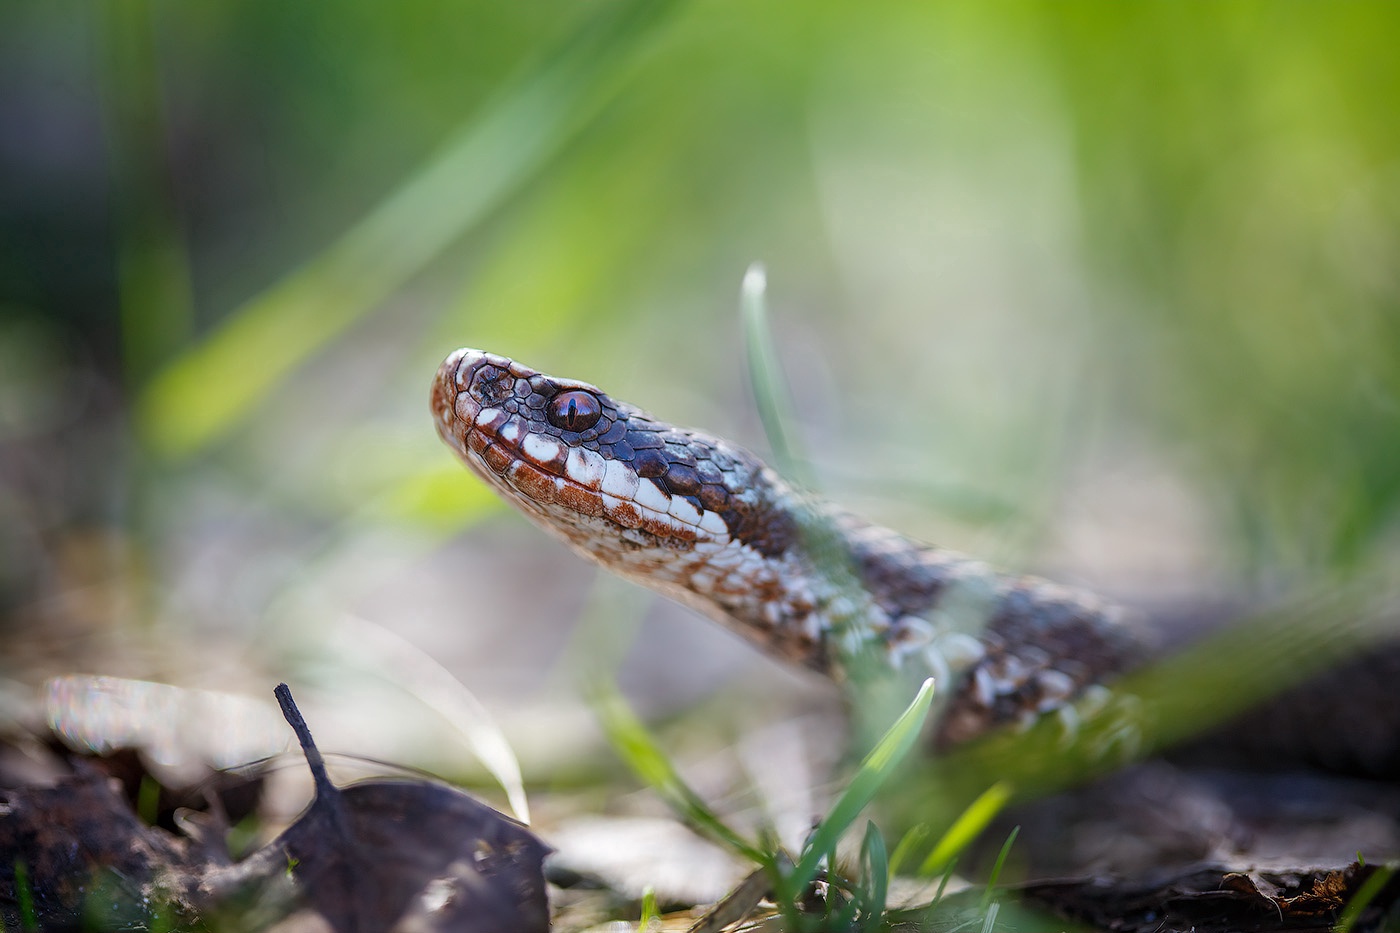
211 388
877 767
943 882
148 800
153 274
24 896
770 390
873 885
966 828
995 877
858 651
912 840
1364 896
635 745
649 916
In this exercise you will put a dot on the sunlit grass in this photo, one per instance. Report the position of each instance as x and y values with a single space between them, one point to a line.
855 900
1370 888
965 829
770 391
874 771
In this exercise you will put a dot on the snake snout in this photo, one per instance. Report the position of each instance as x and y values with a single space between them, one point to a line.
453 407
454 378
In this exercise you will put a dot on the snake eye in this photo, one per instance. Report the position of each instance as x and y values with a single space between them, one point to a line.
574 410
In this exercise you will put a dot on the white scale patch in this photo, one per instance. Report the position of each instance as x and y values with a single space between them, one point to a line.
729 558
619 480
541 448
510 431
663 519
648 496
961 649
585 467
684 511
712 523
985 686
1056 687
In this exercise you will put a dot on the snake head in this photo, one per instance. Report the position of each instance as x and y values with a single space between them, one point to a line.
597 472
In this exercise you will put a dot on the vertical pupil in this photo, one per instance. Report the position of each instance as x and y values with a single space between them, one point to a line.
575 410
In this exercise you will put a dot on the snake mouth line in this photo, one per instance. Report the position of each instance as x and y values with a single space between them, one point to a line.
491 411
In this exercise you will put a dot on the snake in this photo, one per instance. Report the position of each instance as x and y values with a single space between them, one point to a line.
707 523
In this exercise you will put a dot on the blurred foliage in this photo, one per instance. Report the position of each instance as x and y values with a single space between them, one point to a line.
1014 250
1006 243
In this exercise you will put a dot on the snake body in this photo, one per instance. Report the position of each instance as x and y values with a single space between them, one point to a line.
707 523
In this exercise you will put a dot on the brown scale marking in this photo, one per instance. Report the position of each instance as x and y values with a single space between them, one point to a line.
1067 629
534 482
441 395
713 497
727 585
682 480
768 532
497 458
626 514
900 595
581 500
898 574
791 642
462 408
477 441
650 464
664 530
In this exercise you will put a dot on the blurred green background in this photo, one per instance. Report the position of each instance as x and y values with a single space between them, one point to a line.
1106 290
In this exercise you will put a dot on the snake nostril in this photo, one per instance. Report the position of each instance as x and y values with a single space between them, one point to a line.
574 410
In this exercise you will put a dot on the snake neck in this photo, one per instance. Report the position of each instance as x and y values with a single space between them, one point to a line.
830 591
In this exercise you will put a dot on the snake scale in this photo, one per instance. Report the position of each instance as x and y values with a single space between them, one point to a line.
709 524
